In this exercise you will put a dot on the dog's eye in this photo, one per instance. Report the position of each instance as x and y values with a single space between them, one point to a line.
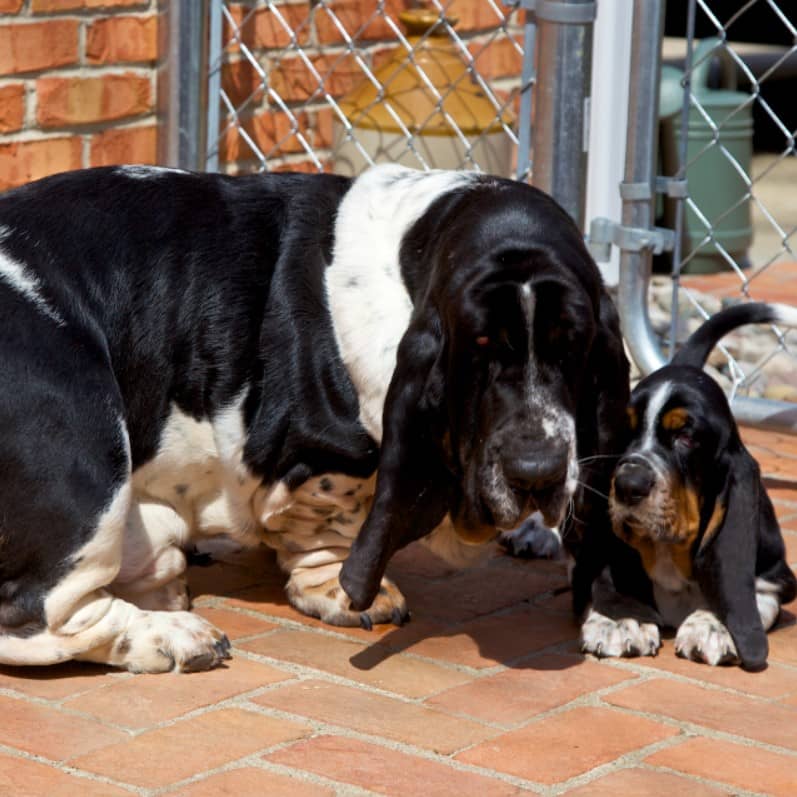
482 340
684 440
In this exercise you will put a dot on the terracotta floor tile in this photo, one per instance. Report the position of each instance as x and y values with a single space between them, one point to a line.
567 744
251 567
376 715
235 624
516 695
742 766
20 777
764 722
386 771
477 592
373 664
783 644
645 783
790 538
488 641
147 700
59 680
776 681
50 732
250 781
166 755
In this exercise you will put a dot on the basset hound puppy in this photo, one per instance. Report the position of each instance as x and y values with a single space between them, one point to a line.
687 497
335 367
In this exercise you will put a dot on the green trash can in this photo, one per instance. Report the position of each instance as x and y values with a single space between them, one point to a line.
716 185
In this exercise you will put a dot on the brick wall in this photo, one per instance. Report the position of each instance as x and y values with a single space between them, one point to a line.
77 85
281 135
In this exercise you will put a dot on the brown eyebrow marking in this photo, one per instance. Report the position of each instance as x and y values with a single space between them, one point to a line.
633 418
674 419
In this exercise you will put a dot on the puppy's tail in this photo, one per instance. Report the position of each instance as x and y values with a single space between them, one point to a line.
697 348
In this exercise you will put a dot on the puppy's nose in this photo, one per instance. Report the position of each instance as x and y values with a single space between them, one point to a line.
633 482
538 470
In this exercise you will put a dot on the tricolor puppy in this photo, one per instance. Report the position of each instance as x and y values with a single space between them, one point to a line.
197 361
688 497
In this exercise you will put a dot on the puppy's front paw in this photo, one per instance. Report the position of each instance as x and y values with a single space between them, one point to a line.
604 637
703 638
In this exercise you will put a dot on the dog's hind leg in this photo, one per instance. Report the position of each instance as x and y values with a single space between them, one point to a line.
152 574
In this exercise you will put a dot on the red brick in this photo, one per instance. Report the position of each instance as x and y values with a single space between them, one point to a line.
59 681
23 778
146 700
21 162
776 681
38 45
363 20
645 783
12 107
270 131
53 6
376 715
386 771
10 6
236 624
122 39
255 566
372 665
742 766
783 644
721 711
49 732
497 58
242 84
166 755
248 780
263 28
472 16
293 80
124 145
567 744
83 100
488 641
514 696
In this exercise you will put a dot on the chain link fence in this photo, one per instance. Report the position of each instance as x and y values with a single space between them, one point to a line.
336 85
728 122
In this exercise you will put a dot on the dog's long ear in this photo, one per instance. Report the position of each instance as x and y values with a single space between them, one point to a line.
413 487
725 562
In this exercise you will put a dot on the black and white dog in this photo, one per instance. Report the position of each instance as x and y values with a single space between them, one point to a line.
687 496
188 359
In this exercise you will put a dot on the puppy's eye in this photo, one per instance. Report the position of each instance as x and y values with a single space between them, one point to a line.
482 340
684 440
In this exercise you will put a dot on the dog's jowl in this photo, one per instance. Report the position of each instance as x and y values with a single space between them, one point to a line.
688 497
194 362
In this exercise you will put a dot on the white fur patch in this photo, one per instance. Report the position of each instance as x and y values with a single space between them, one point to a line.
605 637
654 408
148 172
368 300
702 637
23 282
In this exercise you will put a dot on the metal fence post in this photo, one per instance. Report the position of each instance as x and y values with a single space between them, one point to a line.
638 190
564 45
183 85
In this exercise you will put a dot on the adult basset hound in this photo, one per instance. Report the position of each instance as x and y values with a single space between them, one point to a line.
191 361
687 496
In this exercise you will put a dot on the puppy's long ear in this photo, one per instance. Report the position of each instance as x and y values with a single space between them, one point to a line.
602 436
725 563
413 488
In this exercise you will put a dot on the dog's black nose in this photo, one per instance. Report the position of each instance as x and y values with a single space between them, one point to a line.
633 482
535 471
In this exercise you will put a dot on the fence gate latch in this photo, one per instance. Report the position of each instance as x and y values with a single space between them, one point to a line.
605 232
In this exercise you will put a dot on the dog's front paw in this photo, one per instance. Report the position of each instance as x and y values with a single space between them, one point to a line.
532 540
329 602
703 638
165 641
604 637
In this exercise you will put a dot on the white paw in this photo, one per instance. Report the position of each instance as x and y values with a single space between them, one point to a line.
165 641
702 637
604 637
